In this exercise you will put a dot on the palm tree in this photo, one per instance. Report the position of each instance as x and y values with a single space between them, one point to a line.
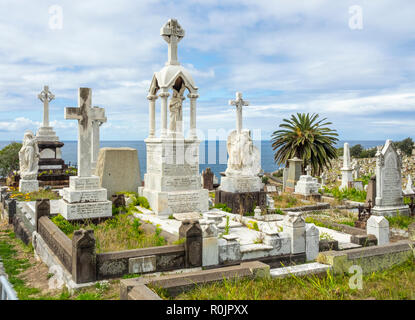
306 137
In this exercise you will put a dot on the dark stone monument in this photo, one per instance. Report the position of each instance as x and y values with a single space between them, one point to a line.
42 208
83 256
208 179
242 202
371 191
191 231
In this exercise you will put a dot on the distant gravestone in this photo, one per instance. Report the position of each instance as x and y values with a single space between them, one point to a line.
294 173
358 185
371 191
207 176
389 199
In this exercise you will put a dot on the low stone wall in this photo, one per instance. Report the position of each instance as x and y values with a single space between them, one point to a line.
137 289
56 240
116 264
318 206
370 259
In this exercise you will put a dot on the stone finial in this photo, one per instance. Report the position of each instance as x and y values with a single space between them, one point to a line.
83 256
191 231
42 208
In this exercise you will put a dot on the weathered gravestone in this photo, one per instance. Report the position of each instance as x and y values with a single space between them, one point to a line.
293 174
118 170
389 199
84 199
207 178
347 171
191 231
42 209
83 256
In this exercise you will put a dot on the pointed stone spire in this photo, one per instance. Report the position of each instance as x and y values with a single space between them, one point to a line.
346 157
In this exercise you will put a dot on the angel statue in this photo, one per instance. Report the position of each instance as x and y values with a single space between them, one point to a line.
29 157
175 108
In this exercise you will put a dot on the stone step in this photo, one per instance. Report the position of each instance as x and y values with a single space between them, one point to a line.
255 247
300 270
348 245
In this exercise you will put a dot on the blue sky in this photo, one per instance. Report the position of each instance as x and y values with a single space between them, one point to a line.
285 56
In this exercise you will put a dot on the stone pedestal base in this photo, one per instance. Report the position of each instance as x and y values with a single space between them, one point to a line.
347 176
307 185
26 186
84 199
167 203
390 211
241 202
241 184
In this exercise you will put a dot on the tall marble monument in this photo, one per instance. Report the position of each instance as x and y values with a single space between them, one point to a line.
244 161
48 142
241 188
84 198
29 164
389 199
172 182
347 170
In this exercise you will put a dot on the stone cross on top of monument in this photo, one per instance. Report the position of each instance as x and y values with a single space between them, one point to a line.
239 103
172 33
85 115
46 96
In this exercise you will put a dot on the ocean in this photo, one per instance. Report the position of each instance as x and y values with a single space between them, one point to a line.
211 153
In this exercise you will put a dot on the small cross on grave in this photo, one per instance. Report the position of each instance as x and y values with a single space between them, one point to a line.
172 33
46 96
85 115
239 103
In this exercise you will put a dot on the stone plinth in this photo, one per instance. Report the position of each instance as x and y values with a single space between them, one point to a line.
379 227
172 183
84 199
242 202
26 186
307 185
241 184
118 170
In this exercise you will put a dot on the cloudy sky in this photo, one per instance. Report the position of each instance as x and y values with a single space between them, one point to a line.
285 56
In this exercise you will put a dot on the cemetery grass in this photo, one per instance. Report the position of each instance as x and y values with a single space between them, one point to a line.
325 218
287 200
30 278
397 283
122 232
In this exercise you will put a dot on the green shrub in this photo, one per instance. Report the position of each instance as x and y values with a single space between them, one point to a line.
9 158
223 207
63 224
350 194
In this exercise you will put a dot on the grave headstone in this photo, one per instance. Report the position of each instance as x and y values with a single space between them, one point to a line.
294 225
84 199
191 231
207 178
83 256
389 198
371 191
118 170
42 209
294 173
379 227
408 188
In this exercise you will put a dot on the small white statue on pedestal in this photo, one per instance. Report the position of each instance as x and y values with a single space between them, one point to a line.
29 164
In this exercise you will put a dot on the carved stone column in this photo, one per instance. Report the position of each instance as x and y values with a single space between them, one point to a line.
152 115
193 97
164 96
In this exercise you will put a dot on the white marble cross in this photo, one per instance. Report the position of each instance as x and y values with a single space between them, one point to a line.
239 103
46 96
172 33
95 137
85 115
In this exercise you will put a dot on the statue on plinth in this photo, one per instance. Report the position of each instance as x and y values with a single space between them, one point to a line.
29 157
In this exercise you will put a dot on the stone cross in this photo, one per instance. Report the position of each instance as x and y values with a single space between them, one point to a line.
239 103
85 115
95 136
46 96
308 170
172 33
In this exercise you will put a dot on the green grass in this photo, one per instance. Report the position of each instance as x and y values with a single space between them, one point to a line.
400 221
33 196
346 194
122 232
397 283
321 223
223 207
